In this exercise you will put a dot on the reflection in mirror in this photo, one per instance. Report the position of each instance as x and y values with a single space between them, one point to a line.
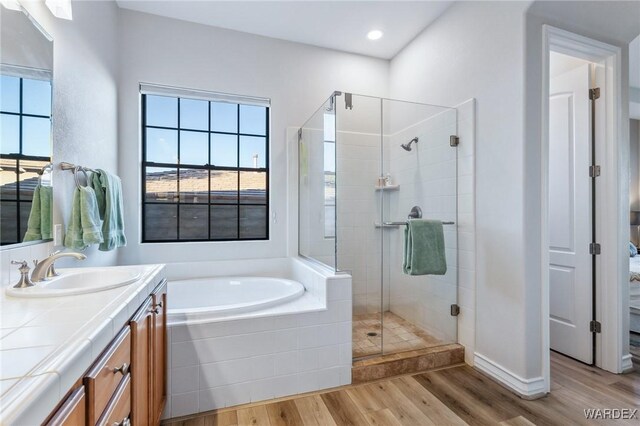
26 67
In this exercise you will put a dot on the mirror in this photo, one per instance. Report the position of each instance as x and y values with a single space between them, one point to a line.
26 70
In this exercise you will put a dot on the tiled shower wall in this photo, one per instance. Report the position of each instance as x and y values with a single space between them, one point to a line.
431 176
427 178
358 208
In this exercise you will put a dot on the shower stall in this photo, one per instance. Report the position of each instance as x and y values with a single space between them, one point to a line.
367 165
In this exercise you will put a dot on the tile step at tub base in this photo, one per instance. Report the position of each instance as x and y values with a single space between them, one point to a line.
379 367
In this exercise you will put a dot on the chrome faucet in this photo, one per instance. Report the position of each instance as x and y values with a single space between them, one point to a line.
40 271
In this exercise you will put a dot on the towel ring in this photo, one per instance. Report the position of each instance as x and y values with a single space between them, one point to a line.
75 176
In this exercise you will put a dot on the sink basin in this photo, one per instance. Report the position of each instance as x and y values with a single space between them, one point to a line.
80 281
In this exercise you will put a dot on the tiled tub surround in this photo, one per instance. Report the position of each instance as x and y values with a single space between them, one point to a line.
47 344
300 346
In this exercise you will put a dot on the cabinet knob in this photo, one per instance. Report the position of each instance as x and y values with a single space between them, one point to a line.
124 369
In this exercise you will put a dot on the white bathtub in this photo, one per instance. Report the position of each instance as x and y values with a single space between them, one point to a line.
205 299
228 347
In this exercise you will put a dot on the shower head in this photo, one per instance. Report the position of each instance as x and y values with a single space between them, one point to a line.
407 146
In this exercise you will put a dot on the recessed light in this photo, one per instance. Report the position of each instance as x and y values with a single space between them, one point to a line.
375 34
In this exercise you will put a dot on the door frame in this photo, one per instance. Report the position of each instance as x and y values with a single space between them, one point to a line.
612 204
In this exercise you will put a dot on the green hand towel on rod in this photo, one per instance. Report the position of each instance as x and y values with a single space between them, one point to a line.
108 189
84 226
424 251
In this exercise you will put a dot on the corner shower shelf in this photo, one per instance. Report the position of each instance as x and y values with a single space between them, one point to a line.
387 188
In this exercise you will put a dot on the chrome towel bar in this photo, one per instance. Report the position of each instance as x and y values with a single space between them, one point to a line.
397 224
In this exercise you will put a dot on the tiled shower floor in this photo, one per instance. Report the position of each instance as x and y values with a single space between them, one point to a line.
399 335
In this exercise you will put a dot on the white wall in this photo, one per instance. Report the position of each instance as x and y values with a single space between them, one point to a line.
22 44
492 51
297 79
483 59
84 107
615 23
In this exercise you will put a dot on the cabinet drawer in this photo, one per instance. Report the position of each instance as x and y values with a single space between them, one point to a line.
103 378
119 408
72 412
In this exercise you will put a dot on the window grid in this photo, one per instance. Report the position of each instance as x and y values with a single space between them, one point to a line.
210 168
19 156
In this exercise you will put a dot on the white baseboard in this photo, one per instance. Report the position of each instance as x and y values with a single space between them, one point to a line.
627 363
526 388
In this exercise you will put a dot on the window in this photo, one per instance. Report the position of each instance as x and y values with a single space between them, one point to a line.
205 169
25 149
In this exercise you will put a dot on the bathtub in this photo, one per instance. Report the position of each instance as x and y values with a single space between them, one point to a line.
205 299
283 328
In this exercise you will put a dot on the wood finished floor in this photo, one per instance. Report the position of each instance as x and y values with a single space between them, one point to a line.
452 396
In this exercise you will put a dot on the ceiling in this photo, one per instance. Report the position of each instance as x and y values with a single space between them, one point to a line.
340 25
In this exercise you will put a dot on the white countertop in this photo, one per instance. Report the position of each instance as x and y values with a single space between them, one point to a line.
47 344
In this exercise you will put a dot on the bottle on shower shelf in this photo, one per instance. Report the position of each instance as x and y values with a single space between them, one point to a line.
387 180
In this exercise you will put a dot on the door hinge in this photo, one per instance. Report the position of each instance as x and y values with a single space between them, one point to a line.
595 327
348 101
455 310
454 140
594 93
594 248
594 171
299 134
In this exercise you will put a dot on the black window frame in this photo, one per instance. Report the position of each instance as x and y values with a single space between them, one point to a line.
210 168
19 156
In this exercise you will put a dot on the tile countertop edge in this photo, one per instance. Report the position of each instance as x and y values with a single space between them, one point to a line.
36 394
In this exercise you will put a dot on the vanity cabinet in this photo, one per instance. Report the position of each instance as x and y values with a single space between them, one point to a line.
107 373
141 340
159 355
126 385
73 411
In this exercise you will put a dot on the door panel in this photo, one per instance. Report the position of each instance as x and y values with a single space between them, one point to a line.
159 385
570 274
141 328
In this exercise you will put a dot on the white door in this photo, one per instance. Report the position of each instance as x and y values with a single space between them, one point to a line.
570 275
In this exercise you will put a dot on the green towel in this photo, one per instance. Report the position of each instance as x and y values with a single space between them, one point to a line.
39 223
34 227
84 225
424 248
46 211
108 190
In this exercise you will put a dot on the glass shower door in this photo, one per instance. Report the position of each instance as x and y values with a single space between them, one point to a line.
317 202
359 208
421 170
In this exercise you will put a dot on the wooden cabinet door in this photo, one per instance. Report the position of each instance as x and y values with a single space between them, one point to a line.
141 340
72 412
159 351
105 375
